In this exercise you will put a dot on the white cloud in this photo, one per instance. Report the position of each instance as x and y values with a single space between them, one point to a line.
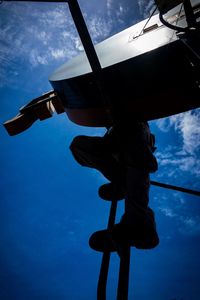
185 156
109 4
43 37
190 225
168 212
187 223
40 34
57 53
145 7
125 13
190 164
37 59
163 124
99 28
188 125
186 163
31 35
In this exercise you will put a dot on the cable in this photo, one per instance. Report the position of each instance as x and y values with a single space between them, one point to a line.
173 27
176 188
190 26
147 21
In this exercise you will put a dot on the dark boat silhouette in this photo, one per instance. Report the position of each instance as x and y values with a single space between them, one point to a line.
146 71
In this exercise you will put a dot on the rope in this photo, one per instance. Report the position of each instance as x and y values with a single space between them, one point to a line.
147 21
176 188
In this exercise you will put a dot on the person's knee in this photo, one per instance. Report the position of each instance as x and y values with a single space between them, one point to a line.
78 149
77 143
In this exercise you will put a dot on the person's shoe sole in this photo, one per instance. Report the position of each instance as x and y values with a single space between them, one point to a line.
107 192
103 241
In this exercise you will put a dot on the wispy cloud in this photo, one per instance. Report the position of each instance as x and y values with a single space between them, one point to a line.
186 163
37 59
99 28
168 212
41 34
185 155
125 13
187 124
186 221
186 225
145 7
190 225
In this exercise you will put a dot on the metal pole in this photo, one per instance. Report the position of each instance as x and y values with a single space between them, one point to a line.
84 36
91 53
189 13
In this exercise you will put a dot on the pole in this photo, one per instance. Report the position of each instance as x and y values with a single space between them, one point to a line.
91 54
84 36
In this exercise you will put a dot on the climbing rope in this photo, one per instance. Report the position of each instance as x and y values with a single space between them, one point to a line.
176 188
151 15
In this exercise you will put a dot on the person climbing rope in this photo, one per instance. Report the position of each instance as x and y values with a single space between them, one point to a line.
124 155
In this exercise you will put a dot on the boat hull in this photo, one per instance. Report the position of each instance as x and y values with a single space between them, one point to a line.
145 76
153 85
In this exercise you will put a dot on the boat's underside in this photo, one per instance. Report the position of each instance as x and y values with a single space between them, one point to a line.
153 85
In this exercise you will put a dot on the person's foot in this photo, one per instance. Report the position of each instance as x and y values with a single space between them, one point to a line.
111 191
122 235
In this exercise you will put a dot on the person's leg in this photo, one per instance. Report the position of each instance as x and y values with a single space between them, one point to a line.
137 226
138 222
93 152
136 194
136 197
134 186
136 142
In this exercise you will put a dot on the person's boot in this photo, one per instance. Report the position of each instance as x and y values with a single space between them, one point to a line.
142 237
110 191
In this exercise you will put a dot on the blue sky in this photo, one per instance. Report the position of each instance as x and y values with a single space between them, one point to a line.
49 205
